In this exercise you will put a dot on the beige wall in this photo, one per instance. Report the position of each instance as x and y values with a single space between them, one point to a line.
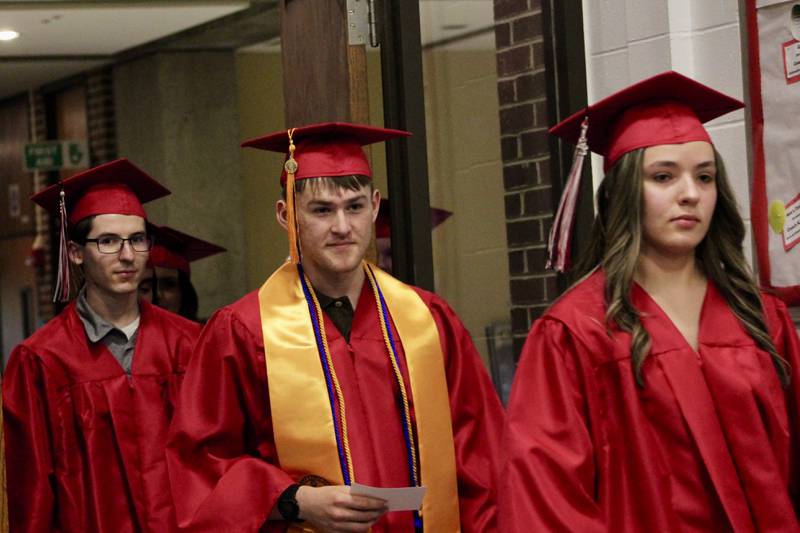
470 252
260 100
177 119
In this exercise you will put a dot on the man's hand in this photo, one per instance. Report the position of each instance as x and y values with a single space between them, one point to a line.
335 510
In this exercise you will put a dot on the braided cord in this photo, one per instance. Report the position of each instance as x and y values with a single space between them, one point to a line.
334 390
408 427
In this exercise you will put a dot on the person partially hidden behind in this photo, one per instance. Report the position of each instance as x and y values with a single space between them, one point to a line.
383 232
167 280
334 373
661 392
87 399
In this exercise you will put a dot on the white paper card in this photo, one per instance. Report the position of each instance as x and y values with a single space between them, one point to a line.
397 499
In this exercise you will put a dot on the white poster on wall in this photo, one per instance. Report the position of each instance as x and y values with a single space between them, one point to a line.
774 37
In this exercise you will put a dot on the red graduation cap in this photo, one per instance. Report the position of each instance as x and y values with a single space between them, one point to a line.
328 149
115 188
667 108
383 224
321 150
175 249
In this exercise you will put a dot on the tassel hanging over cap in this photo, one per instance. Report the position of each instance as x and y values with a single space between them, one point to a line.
291 214
558 245
62 277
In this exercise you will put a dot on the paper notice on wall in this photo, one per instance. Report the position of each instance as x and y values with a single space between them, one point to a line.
791 60
791 224
774 81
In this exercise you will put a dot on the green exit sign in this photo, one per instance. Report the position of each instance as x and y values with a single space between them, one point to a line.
56 155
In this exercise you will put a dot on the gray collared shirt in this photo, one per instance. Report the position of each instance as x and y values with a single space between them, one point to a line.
120 343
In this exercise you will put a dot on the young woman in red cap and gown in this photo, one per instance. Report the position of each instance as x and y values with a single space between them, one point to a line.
89 396
394 395
661 392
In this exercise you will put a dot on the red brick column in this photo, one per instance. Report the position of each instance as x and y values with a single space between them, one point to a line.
102 124
44 270
522 94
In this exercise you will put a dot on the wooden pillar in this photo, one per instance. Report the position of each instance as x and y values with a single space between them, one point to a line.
324 78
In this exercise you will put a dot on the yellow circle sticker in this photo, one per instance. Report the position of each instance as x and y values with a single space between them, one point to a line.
777 216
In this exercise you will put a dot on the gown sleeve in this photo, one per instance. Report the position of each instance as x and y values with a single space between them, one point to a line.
221 453
477 417
548 479
3 496
785 337
29 459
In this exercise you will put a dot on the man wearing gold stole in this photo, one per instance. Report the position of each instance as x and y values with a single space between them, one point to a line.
333 373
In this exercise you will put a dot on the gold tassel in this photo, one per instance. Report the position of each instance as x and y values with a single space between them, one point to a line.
291 214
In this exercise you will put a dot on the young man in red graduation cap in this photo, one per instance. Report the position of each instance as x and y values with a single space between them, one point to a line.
333 373
88 397
167 279
661 392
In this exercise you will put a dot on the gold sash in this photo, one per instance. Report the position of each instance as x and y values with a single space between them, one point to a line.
300 407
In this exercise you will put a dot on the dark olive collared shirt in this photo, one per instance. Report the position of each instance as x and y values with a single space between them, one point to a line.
340 311
120 342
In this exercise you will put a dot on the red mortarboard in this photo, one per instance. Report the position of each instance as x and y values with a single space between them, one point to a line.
668 108
118 188
321 150
175 249
383 224
329 149
115 188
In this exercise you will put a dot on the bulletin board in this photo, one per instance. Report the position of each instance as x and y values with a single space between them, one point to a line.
773 28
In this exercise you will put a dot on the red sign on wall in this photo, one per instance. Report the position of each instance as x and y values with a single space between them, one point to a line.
791 60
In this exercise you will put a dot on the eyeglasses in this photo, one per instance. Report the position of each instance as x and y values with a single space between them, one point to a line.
112 244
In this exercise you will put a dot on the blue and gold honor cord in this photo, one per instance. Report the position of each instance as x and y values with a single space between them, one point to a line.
334 390
408 426
337 401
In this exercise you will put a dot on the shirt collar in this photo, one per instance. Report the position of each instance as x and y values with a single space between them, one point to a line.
96 326
326 301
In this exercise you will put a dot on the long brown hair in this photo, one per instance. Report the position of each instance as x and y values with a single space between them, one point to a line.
616 243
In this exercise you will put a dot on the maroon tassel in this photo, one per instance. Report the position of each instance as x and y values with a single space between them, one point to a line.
62 277
558 245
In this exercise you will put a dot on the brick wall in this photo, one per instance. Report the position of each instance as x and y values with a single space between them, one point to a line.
521 89
44 270
100 116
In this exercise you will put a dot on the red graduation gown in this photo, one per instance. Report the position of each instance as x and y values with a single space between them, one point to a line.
84 441
222 458
710 444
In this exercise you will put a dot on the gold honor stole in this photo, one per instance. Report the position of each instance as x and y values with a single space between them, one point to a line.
302 421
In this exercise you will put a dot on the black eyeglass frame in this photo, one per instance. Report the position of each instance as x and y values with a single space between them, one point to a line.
148 240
